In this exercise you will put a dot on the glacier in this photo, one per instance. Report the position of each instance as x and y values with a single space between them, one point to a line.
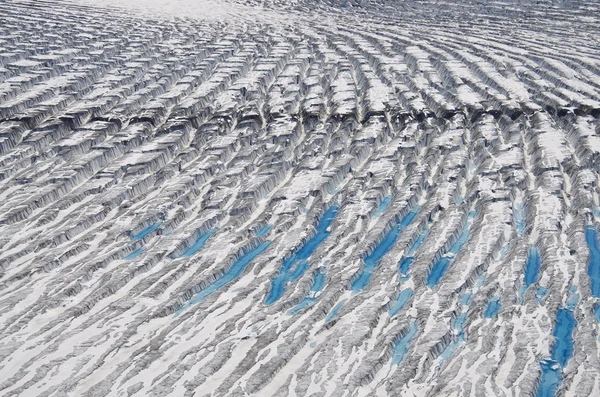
299 198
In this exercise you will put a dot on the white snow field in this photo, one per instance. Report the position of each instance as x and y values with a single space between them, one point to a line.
299 198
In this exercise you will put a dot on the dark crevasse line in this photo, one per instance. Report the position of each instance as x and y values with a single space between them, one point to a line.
316 287
562 351
236 269
288 272
403 343
591 238
441 266
198 244
493 307
146 231
372 260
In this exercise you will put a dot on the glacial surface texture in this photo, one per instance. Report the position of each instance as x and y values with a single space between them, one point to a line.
299 198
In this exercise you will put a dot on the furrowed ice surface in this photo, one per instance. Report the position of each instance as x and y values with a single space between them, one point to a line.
241 198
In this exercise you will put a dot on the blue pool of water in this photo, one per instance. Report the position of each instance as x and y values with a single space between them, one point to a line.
146 231
385 203
591 237
372 260
134 254
403 297
493 307
551 378
402 344
198 244
532 268
236 269
262 231
440 267
334 312
562 351
287 272
317 285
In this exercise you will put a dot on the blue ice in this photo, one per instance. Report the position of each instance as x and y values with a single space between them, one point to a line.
372 260
402 344
286 274
198 244
146 231
440 267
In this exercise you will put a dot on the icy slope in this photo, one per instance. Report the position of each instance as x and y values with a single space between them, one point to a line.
299 199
